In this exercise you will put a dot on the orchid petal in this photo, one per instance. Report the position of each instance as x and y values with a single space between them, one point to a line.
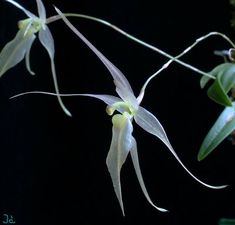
14 51
135 160
27 56
123 87
150 123
41 10
108 99
28 13
47 41
119 149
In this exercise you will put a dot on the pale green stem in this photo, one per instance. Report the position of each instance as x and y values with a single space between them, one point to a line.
141 95
172 58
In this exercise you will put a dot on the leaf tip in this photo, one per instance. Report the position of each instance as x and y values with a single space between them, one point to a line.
200 157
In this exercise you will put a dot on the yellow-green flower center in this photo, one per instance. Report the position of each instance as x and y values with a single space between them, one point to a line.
30 25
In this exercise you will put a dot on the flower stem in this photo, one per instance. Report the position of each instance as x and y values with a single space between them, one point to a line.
172 58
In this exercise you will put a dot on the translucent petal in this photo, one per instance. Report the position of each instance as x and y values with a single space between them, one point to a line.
135 160
27 56
108 99
41 10
47 41
28 13
150 123
123 87
119 149
14 51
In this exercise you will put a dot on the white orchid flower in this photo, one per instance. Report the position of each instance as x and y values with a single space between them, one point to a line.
129 109
19 48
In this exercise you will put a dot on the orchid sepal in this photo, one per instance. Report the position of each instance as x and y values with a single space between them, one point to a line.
14 51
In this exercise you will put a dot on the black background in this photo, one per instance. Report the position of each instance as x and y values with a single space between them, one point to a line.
52 167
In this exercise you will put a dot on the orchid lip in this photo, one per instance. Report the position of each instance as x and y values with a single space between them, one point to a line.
122 107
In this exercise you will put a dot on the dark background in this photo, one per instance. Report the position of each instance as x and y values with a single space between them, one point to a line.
52 167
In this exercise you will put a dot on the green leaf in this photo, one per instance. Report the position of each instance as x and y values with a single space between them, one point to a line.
217 93
222 128
204 80
232 2
224 82
224 221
